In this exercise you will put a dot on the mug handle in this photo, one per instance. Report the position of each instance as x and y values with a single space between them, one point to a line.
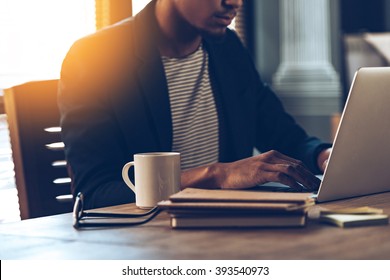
125 175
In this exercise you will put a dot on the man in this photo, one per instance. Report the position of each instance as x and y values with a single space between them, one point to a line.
175 78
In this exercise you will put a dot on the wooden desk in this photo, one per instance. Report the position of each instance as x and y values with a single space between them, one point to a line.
54 238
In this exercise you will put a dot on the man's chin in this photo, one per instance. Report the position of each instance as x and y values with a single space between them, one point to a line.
215 35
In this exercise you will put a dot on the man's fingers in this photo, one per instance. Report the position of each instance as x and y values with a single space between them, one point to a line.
292 166
295 173
275 157
272 176
302 175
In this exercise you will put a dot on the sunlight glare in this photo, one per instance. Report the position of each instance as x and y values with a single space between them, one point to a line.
36 35
138 5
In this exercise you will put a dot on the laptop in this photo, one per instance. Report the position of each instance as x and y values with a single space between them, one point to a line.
360 160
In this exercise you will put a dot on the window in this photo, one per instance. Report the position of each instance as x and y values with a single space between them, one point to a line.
36 35
138 5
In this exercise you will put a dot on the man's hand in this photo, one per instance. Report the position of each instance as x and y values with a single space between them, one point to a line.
322 159
271 166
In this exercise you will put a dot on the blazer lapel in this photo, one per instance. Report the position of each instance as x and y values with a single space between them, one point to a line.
152 78
157 99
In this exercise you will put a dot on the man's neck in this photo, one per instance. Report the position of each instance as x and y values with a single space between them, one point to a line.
177 38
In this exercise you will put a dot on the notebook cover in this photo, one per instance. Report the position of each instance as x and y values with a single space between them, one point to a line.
241 207
218 195
237 222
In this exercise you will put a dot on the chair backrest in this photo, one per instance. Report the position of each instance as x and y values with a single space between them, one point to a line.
41 176
359 52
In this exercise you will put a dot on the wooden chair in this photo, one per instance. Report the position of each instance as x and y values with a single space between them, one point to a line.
41 176
360 50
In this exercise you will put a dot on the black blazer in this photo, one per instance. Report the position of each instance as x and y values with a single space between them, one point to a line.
114 102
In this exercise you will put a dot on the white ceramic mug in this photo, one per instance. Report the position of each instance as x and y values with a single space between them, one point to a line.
157 176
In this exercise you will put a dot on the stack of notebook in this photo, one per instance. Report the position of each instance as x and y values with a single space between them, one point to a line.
200 208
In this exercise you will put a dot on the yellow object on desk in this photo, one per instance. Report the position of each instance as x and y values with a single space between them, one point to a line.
354 220
354 210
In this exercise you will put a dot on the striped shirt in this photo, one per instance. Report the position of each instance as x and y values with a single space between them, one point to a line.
194 113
